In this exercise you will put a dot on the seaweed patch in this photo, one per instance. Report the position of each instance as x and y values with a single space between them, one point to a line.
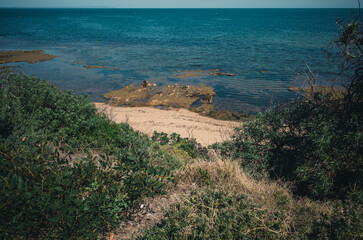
33 56
198 73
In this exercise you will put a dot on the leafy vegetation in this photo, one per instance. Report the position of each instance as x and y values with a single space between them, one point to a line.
304 142
346 222
218 215
67 172
190 146
50 187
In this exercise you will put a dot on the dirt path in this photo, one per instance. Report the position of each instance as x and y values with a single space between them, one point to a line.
184 122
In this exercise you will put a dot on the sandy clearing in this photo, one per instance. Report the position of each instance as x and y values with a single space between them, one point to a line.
184 122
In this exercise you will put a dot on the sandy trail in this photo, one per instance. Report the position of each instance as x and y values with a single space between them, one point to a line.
184 122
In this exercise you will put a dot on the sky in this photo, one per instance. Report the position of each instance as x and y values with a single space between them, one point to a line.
184 3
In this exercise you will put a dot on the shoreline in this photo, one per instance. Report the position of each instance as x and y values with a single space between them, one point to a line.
189 124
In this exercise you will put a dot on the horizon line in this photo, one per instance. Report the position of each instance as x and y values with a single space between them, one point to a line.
105 7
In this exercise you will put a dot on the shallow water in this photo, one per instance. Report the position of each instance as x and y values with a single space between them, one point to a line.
263 46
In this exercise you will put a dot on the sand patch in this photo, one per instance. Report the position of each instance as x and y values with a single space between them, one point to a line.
33 56
184 122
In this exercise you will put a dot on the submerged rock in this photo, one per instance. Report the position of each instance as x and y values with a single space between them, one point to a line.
218 74
130 95
196 99
181 96
194 73
33 56
90 66
335 92
169 96
198 73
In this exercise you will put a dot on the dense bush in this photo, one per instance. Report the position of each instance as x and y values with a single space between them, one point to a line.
35 110
306 143
346 222
45 195
51 189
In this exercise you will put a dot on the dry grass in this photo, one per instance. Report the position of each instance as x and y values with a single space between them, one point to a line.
227 176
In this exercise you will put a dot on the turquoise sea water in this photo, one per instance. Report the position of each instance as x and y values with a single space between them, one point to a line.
156 44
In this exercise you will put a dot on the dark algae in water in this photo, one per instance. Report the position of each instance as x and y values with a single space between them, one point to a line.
33 56
198 73
335 92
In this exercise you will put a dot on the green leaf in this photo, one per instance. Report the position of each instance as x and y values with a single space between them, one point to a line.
131 158
21 182
58 188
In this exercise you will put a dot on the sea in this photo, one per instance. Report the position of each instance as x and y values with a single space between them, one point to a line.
266 48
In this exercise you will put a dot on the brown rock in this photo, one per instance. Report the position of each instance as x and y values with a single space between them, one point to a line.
25 56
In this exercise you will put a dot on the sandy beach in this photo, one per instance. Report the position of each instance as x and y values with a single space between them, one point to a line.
184 122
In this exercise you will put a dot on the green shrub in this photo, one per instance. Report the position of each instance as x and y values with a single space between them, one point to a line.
190 146
346 222
48 196
304 142
46 191
167 158
33 107
42 196
37 111
218 215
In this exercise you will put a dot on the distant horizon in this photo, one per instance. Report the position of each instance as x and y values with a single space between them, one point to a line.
176 4
105 7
